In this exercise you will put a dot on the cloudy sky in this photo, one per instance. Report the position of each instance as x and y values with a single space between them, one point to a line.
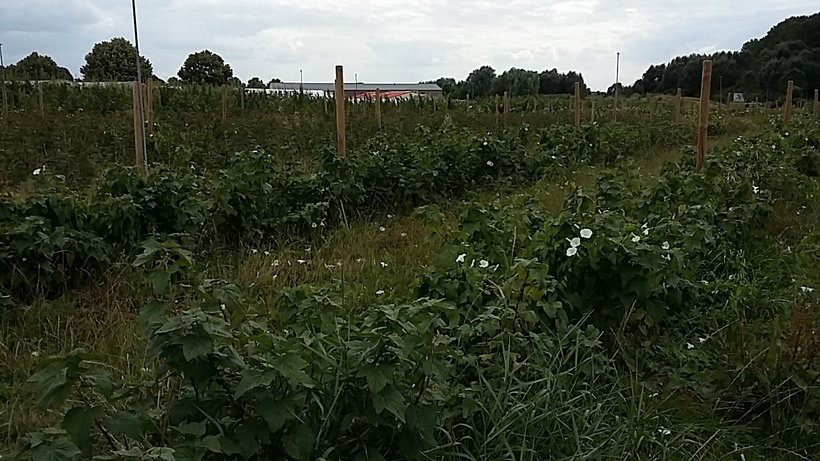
395 40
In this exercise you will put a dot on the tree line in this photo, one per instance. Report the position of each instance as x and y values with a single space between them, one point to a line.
517 82
761 69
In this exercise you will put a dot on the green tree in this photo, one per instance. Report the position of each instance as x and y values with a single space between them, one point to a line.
114 60
205 68
480 82
38 67
256 82
518 82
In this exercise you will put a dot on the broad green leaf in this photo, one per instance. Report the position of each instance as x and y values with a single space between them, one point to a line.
252 379
391 400
127 424
78 423
195 429
211 442
58 450
275 413
299 443
423 419
291 366
151 317
159 281
100 380
51 384
377 376
194 346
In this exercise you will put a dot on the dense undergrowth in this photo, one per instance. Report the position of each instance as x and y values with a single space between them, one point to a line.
665 319
55 237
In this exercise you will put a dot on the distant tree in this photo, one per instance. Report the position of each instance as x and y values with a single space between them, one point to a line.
38 67
206 68
480 82
517 82
256 82
174 81
274 80
114 60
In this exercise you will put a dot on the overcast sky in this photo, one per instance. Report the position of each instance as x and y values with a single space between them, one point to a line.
395 40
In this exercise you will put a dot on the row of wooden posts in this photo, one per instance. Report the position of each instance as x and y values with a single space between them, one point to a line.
141 123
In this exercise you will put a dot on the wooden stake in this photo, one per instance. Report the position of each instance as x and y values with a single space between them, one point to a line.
816 101
703 122
42 104
787 111
242 98
149 104
677 106
139 125
340 111
577 105
224 103
506 107
379 108
324 99
496 109
592 113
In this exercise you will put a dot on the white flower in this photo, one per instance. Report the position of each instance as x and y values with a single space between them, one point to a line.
380 292
461 258
636 239
254 251
663 431
483 264
646 231
690 346
275 261
384 264
358 260
572 251
574 243
667 257
267 253
703 340
490 163
37 172
485 142
755 189
338 264
586 233
404 234
329 266
222 306
35 354
653 395
381 229
390 216
807 289
300 261
665 245
314 225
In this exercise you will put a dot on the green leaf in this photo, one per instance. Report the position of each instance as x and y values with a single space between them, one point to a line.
291 366
51 384
194 346
391 400
275 413
195 429
211 442
377 376
151 317
58 450
299 443
423 419
127 424
252 379
159 281
78 423
99 379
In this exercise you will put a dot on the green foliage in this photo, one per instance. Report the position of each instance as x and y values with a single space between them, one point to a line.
114 60
256 83
205 68
37 67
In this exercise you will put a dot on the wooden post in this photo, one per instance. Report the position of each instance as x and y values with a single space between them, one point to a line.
379 108
677 106
577 105
728 104
787 111
592 113
149 104
340 111
139 125
242 98
324 99
506 107
816 101
40 95
496 110
224 103
703 122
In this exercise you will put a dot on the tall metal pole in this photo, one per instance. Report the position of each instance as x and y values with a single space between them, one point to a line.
301 82
139 84
356 88
617 82
3 78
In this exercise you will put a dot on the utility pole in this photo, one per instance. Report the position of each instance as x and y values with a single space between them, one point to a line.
139 85
3 78
617 82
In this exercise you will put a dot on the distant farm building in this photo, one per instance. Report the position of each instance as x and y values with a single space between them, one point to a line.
364 90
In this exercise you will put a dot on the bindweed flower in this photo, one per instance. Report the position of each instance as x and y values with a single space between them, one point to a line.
461 258
390 216
667 257
755 189
404 234
358 260
254 251
490 163
574 243
690 346
586 233
483 264
572 251
300 261
665 245
703 340
275 261
314 225
382 229
384 264
636 238
663 431
380 292
806 289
